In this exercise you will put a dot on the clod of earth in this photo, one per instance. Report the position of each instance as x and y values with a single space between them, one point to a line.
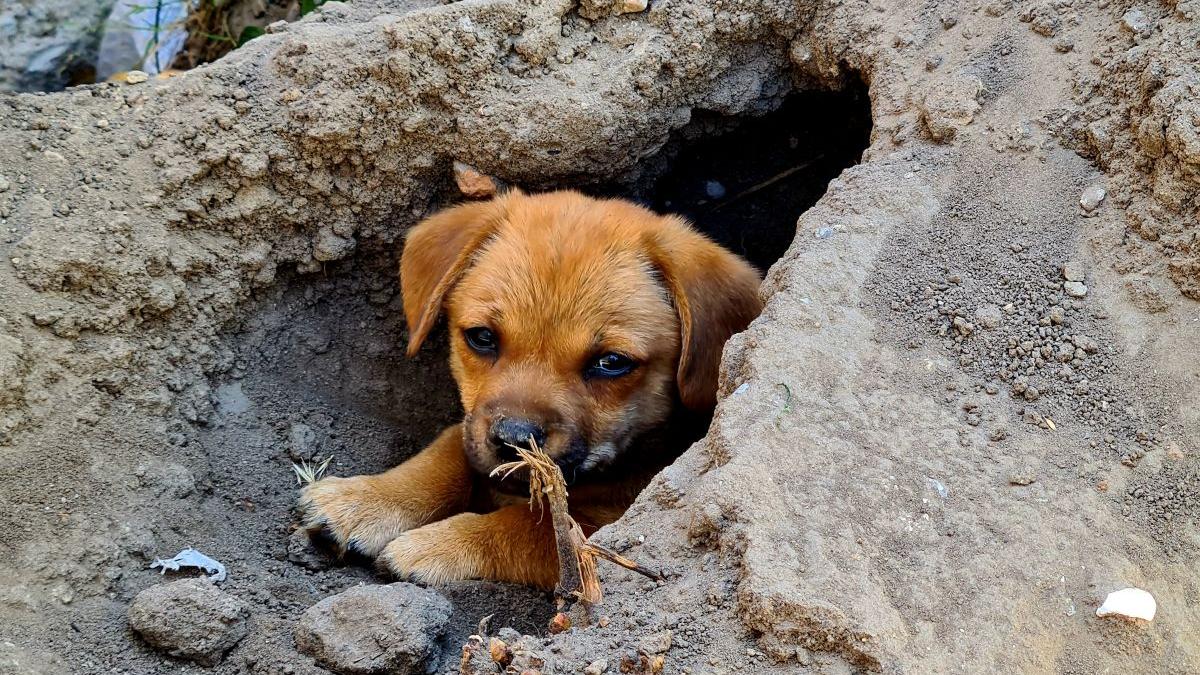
189 619
376 629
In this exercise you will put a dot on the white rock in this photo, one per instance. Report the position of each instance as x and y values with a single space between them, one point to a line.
136 76
631 6
1129 603
1091 197
1075 289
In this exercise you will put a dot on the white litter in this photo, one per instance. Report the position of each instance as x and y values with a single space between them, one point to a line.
190 557
1129 603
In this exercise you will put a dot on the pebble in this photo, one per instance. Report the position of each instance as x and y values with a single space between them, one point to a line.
189 619
1092 197
1075 289
4 184
989 316
596 667
631 6
136 77
1135 21
714 189
1073 271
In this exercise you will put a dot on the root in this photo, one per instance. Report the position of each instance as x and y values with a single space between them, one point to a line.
578 580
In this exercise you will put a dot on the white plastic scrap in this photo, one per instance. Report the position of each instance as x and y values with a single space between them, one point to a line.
1129 603
190 557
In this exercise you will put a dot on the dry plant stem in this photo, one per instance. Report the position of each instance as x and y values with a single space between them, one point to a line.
578 580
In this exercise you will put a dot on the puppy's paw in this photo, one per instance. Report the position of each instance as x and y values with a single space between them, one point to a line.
437 553
352 513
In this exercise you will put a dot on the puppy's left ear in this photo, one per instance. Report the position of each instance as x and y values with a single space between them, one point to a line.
715 294
436 253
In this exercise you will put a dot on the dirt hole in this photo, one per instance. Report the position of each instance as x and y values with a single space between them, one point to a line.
321 369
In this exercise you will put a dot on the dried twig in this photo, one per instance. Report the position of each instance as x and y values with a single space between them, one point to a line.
767 183
578 580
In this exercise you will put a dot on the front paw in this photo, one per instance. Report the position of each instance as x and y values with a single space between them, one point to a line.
437 553
352 513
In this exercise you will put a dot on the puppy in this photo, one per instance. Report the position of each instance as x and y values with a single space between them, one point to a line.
591 327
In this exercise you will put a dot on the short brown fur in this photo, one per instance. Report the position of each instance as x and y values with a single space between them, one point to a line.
559 278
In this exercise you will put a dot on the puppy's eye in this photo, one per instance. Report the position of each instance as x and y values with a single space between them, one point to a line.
610 365
482 340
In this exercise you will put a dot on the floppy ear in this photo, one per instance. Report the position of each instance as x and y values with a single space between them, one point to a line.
436 253
715 294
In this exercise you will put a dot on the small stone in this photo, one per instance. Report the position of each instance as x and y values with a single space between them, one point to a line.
714 189
632 6
596 667
949 22
1092 197
189 619
302 442
391 628
1073 271
1075 289
136 77
963 326
988 316
4 184
330 246
1135 21
657 643
1022 479
301 551
472 183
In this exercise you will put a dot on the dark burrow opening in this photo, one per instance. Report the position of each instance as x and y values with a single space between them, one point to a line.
321 370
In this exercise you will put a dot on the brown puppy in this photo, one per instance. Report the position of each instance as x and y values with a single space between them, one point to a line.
583 324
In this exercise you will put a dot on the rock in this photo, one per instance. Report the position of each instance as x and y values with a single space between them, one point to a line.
301 551
950 107
1135 21
1073 271
1022 479
189 619
596 667
1092 197
375 629
595 9
4 184
988 316
330 246
302 442
713 189
472 183
136 77
657 643
1075 289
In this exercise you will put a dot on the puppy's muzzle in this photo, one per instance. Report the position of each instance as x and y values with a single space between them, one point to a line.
507 432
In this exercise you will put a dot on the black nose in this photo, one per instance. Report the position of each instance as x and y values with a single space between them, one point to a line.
509 431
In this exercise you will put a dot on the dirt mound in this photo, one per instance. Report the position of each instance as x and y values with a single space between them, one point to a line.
933 449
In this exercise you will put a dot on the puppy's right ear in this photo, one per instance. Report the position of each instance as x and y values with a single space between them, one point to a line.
436 253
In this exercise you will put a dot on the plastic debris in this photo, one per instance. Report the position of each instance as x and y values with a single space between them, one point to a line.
190 557
1129 603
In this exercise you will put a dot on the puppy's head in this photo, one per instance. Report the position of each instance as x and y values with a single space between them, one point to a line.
575 322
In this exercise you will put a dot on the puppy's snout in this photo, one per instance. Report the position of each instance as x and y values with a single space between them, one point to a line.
515 431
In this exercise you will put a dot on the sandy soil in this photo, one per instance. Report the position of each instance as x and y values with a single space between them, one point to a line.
932 452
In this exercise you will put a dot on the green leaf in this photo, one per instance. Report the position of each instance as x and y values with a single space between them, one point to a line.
248 34
307 6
